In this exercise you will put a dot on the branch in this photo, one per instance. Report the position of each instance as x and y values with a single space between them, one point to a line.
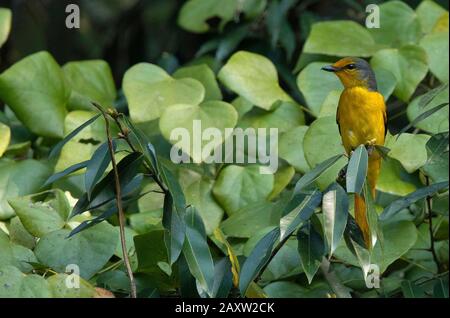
119 204
430 227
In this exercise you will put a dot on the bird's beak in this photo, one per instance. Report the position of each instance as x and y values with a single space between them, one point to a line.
330 68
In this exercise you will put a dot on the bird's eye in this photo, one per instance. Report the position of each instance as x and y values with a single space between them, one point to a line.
351 67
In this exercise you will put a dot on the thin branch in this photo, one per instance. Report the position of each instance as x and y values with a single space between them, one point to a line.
119 204
430 227
274 252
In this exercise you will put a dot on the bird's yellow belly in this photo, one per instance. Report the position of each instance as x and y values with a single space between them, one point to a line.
361 119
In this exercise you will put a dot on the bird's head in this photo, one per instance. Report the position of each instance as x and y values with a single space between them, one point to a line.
352 72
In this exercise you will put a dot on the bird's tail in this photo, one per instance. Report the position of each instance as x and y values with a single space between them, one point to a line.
361 219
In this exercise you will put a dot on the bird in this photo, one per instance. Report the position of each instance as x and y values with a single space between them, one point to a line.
361 118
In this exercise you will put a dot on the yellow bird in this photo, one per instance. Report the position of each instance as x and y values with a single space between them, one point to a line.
361 117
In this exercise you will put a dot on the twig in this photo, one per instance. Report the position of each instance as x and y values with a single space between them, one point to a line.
430 227
340 290
274 252
119 205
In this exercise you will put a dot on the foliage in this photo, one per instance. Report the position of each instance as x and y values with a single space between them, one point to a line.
203 229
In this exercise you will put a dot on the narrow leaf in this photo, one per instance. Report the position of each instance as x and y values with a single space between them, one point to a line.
174 229
421 117
259 256
65 172
406 201
357 170
335 215
300 213
97 166
315 173
57 149
428 97
311 248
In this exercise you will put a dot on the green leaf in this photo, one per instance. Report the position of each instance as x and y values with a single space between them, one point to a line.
428 13
282 179
251 219
19 235
253 77
69 121
311 248
316 85
149 90
406 201
394 179
238 186
194 120
91 81
15 255
436 46
66 172
199 194
322 142
257 259
196 251
338 38
223 279
204 75
409 149
436 122
311 176
58 285
440 289
436 166
175 229
19 179
408 64
5 137
5 24
39 81
42 213
90 249
298 211
399 25
424 116
386 82
283 116
14 284
357 170
290 148
335 208
150 250
284 289
411 290
97 165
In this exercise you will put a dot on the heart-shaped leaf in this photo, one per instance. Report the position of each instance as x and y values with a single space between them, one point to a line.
436 46
409 149
204 75
5 24
14 284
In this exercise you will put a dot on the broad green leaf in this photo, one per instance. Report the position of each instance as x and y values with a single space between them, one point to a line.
149 90
97 165
357 170
408 200
90 81
242 106
311 248
411 290
150 250
14 284
199 194
5 24
330 104
90 249
204 75
79 145
59 289
408 64
409 149
5 137
42 213
238 186
428 13
386 82
335 209
19 179
253 77
257 259
298 211
316 85
290 148
184 126
436 166
250 219
286 289
282 179
15 255
19 235
322 142
196 251
399 25
338 38
435 123
194 14
37 80
394 179
436 46
283 116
